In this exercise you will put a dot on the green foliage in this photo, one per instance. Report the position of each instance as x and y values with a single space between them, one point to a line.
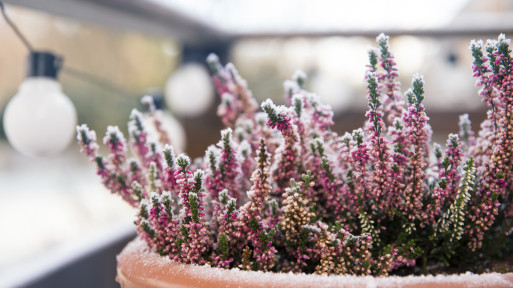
143 211
156 203
298 106
273 207
168 156
477 54
254 225
358 136
231 207
274 117
194 206
418 90
373 59
134 117
100 163
153 177
504 51
167 202
183 229
383 43
223 197
223 244
184 162
84 137
266 237
372 86
212 160
198 181
147 229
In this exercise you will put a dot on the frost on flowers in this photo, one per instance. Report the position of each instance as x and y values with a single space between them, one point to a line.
282 192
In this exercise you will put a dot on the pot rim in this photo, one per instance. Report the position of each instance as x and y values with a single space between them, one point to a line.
138 265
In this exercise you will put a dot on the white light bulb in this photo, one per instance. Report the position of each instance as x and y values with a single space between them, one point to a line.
40 120
189 91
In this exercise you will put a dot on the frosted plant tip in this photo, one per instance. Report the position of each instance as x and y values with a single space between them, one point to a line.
212 58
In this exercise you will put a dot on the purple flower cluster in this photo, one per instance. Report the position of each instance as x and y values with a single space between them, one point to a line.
282 192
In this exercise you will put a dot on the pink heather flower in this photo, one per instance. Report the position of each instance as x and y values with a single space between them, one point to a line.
87 141
138 137
393 99
237 101
222 169
283 192
466 134
287 154
116 143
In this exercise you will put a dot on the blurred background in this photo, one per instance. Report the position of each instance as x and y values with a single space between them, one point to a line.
54 207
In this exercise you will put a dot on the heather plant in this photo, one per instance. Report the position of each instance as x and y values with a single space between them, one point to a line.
283 192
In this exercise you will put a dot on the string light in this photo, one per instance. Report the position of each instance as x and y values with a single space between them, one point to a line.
39 120
189 91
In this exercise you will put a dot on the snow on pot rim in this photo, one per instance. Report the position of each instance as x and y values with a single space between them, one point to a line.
140 267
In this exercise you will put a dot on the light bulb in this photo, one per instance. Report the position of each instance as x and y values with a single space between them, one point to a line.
40 120
189 91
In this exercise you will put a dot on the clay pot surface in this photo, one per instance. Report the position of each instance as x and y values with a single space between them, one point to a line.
140 267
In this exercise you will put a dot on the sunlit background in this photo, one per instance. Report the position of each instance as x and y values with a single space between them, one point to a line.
131 48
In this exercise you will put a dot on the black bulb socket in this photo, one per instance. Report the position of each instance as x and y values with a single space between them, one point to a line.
43 64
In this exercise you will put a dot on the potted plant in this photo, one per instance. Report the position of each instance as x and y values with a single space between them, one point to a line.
284 194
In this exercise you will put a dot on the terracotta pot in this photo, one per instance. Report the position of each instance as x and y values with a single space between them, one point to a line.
139 267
